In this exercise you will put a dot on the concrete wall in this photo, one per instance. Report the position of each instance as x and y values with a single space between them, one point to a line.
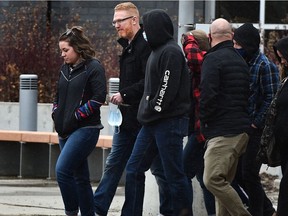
9 115
33 154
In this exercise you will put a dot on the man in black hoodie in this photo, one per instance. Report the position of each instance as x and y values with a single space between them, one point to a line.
163 112
132 72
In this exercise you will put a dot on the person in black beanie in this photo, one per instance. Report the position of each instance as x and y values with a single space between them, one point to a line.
247 36
264 80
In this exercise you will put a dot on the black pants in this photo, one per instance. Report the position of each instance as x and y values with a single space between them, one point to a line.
282 207
259 203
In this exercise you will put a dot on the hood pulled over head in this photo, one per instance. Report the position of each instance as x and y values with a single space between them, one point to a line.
158 27
282 47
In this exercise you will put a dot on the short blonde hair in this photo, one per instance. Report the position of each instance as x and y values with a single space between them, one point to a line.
128 6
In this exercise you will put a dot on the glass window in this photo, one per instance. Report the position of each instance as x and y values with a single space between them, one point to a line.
199 14
276 12
238 11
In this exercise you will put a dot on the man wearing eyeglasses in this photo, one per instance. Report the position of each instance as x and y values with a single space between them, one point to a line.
132 72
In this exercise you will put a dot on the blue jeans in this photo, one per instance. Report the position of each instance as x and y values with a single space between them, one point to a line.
194 166
166 139
123 143
72 171
259 203
165 199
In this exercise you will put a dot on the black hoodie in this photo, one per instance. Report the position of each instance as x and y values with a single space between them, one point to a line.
167 83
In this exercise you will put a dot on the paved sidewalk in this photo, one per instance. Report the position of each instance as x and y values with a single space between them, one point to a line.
41 197
23 197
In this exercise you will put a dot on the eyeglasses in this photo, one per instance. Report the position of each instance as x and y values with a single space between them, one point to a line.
119 21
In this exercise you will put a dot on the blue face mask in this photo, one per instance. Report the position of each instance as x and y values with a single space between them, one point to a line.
242 52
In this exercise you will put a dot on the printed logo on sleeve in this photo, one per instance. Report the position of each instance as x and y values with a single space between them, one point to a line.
162 92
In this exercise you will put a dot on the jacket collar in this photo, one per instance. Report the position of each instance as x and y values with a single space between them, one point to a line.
224 44
124 42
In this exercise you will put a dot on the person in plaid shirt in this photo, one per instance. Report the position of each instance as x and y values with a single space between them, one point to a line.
195 45
264 80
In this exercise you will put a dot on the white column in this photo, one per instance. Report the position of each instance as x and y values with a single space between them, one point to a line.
261 23
185 17
210 6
